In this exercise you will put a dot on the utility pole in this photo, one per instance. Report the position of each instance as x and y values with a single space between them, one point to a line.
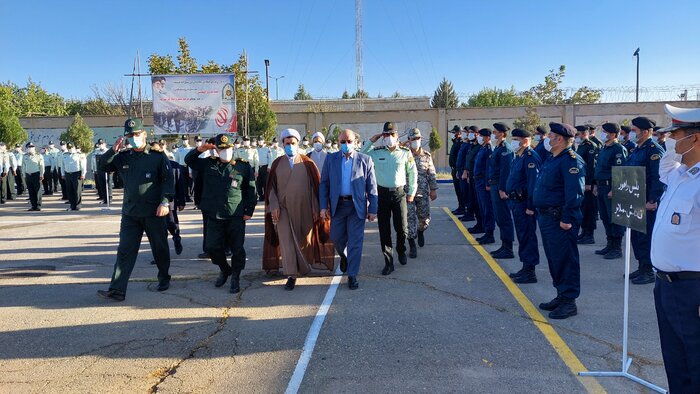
245 123
277 91
267 79
358 52
636 54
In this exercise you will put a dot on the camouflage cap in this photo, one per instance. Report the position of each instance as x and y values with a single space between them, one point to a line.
413 134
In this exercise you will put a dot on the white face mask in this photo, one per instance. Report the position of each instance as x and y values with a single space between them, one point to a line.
548 144
538 137
185 143
31 151
226 154
390 141
236 146
480 139
305 143
198 144
515 145
471 136
246 143
318 146
578 140
275 145
493 137
603 137
328 145
415 144
671 145
464 136
632 136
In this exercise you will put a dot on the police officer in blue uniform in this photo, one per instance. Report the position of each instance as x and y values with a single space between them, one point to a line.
659 137
540 135
647 154
612 154
627 138
558 196
481 171
589 153
499 166
520 188
460 171
591 135
454 153
469 160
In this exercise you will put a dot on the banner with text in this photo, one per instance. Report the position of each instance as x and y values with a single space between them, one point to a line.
629 197
194 104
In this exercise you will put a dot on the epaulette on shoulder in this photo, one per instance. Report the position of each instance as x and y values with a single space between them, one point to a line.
529 152
379 147
426 153
572 154
243 160
405 148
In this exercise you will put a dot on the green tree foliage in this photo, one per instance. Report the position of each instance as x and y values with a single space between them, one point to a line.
346 95
161 65
186 64
335 133
33 100
445 96
360 94
494 97
80 134
302 94
92 106
11 131
435 142
530 121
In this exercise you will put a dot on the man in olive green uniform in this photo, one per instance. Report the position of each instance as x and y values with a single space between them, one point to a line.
394 168
148 190
247 153
33 171
228 200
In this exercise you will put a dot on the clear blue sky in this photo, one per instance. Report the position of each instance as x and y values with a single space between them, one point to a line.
408 45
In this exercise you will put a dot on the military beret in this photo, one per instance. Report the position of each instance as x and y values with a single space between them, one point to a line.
474 129
626 129
485 132
657 128
541 130
50 142
581 128
414 133
562 129
100 141
30 144
274 139
388 127
61 143
184 137
456 129
590 126
521 133
611 127
17 145
131 125
500 126
643 122
223 141
246 138
198 138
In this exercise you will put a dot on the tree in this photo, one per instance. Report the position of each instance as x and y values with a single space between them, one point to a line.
530 121
161 65
186 64
396 94
445 95
435 141
11 131
550 92
335 133
302 94
346 95
494 97
80 134
33 100
360 94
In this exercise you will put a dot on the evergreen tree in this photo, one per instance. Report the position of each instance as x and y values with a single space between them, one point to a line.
445 96
435 141
302 94
80 134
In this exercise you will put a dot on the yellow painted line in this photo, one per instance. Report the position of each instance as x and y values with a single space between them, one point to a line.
563 350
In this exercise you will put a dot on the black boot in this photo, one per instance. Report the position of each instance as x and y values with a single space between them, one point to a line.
606 249
586 238
527 276
551 305
412 250
487 239
177 240
291 282
235 283
222 278
646 276
476 229
506 251
421 239
615 251
566 308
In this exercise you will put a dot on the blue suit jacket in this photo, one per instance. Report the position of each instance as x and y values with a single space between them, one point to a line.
363 183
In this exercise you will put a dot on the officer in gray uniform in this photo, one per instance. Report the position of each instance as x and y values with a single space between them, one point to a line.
419 208
73 172
33 168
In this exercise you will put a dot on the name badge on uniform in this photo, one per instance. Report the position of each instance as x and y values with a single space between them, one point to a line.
676 219
234 183
381 158
125 166
148 175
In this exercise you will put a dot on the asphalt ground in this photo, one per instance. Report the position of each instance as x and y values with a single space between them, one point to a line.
448 321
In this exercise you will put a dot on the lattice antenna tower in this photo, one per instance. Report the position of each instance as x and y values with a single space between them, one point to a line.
358 50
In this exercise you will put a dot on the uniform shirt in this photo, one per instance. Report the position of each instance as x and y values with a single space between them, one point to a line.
481 163
454 151
542 151
264 156
318 158
561 184
180 154
589 153
32 164
60 161
460 164
523 175
674 240
427 176
608 157
470 159
393 168
648 155
499 165
95 157
74 162
12 161
50 159
146 176
248 154
598 143
228 189
18 156
630 146
275 153
4 162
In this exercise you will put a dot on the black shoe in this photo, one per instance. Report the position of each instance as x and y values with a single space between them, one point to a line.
632 274
505 253
586 240
290 284
476 230
421 238
613 254
526 277
564 310
163 284
497 251
204 255
235 285
458 211
412 250
388 268
644 278
605 250
221 279
402 258
352 283
153 262
178 246
114 295
487 239
467 218
33 209
343 264
551 305
516 274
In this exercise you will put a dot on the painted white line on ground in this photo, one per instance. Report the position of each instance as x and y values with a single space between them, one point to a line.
312 336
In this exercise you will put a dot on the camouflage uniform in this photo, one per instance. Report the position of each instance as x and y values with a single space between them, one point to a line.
419 209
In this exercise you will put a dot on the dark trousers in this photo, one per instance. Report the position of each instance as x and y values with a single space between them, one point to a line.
222 234
3 187
34 189
198 183
392 202
458 192
103 185
679 330
346 225
48 181
464 190
589 209
64 188
561 250
475 201
641 243
19 180
56 179
261 182
117 180
526 230
205 221
489 223
130 234
173 222
74 187
502 213
11 183
190 183
613 231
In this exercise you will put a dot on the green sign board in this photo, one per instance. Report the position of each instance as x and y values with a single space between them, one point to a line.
629 195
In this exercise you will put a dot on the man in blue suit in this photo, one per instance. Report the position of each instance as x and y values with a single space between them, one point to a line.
349 188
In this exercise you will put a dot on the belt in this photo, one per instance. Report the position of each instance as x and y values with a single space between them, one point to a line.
389 189
676 276
554 211
605 182
345 198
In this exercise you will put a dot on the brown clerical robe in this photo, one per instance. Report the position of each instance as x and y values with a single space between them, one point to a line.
301 240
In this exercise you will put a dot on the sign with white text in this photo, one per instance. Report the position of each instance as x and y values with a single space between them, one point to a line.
629 192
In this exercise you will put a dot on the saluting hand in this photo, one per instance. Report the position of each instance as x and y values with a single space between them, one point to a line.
205 147
117 144
162 210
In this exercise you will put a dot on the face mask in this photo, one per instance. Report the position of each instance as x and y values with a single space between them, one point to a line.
246 143
577 140
493 137
389 141
327 146
226 154
185 143
236 146
31 151
290 150
480 140
655 138
73 150
671 146
415 144
318 146
275 145
136 141
515 145
603 137
347 148
18 150
538 138
548 144
198 144
632 136
306 143
51 146
464 136
471 136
